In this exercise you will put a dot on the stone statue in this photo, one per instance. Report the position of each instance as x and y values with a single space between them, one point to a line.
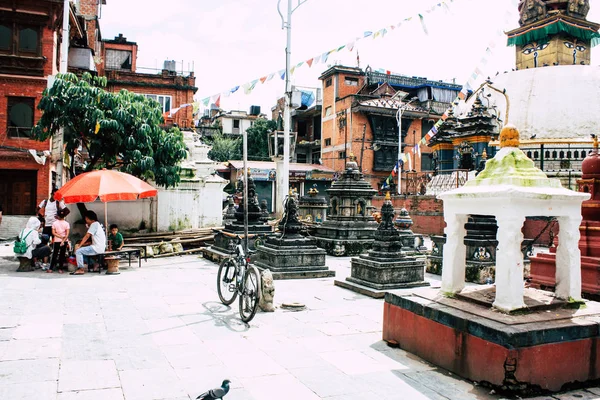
387 215
267 292
264 209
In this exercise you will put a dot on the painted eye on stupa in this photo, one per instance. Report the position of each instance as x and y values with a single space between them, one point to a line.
542 46
528 51
569 45
581 48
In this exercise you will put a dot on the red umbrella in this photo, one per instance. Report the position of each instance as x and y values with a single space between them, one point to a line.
108 185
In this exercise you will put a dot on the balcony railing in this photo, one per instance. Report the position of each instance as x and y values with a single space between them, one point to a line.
557 158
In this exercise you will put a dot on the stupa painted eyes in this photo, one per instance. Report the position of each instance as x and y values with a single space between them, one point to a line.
534 47
570 45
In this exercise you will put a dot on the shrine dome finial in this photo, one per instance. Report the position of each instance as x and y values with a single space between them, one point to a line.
509 136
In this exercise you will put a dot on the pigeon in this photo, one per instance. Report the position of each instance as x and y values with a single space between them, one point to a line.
218 393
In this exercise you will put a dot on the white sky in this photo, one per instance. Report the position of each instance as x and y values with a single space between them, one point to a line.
232 42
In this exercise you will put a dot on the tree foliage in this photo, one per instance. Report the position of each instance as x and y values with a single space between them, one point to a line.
225 148
118 130
258 139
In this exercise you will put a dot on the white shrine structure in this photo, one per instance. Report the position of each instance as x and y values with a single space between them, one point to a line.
511 188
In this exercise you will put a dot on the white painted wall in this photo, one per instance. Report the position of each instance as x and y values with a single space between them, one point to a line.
227 124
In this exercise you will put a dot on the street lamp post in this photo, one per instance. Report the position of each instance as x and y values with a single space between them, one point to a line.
283 168
399 121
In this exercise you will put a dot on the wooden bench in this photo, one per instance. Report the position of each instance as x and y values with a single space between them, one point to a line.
125 250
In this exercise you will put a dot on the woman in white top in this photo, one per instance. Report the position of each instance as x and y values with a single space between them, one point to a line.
31 235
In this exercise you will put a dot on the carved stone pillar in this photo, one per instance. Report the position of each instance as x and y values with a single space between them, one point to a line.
455 251
509 264
568 259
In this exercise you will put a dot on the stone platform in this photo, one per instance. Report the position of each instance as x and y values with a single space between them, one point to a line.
299 259
524 352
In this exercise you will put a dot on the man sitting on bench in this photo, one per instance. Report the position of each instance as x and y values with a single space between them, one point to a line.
96 235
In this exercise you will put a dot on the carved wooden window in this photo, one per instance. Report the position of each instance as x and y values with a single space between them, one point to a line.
20 116
5 37
29 40
385 129
20 39
385 158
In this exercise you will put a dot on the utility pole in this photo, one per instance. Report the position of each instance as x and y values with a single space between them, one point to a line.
245 157
64 58
399 121
283 166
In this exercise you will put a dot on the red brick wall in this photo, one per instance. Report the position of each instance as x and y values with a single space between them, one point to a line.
180 96
24 87
344 90
427 212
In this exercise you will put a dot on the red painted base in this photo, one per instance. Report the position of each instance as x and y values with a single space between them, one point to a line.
543 274
477 345
543 266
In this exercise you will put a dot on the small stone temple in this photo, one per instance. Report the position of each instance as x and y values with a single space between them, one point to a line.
256 225
474 331
350 226
313 208
289 255
385 266
543 265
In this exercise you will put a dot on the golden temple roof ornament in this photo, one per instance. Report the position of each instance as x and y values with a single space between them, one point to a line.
387 196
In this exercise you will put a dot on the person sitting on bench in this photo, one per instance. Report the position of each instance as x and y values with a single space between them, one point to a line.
96 235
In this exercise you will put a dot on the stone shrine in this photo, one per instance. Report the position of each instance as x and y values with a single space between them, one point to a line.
290 255
474 331
411 243
256 226
543 266
313 208
350 227
385 266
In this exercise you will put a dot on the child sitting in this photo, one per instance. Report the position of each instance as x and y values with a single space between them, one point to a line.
115 239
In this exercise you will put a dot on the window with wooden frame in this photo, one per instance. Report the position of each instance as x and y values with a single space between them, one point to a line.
20 116
6 40
28 40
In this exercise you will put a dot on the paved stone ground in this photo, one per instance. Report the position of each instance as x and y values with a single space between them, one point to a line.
160 332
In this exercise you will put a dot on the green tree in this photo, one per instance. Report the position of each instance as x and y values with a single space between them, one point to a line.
118 130
225 148
258 139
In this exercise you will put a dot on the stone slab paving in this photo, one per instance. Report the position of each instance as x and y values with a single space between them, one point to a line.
160 333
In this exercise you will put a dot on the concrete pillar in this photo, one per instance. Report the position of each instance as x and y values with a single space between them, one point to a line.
509 264
455 251
568 258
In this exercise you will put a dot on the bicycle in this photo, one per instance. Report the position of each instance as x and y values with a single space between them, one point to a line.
236 276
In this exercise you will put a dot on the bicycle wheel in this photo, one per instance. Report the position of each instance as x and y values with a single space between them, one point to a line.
250 294
227 281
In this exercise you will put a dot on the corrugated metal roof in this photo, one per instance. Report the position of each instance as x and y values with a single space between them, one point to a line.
391 104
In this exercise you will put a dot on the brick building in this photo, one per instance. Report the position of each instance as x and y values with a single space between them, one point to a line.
359 117
30 39
169 88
